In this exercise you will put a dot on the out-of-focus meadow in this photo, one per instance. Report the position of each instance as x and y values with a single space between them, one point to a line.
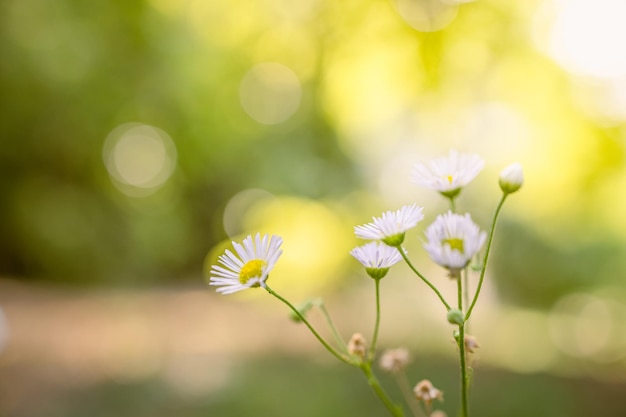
140 137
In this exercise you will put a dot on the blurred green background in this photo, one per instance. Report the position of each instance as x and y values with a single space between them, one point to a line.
139 137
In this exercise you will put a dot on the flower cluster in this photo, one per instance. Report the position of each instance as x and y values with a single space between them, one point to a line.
452 241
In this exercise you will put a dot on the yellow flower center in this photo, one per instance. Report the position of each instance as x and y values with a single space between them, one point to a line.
252 269
449 177
455 243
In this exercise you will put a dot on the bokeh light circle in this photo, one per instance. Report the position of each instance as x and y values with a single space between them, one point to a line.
139 158
581 325
270 93
587 37
237 209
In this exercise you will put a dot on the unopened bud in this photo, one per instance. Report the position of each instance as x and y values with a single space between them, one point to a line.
302 309
455 316
511 178
357 346
456 334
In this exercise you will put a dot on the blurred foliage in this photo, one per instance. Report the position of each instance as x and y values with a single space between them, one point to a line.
553 270
288 386
72 72
354 94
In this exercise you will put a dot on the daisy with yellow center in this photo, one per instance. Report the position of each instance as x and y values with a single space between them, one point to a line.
448 175
250 267
453 240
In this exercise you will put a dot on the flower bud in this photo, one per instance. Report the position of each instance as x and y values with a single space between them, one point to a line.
471 343
511 178
455 316
456 335
426 392
304 308
357 346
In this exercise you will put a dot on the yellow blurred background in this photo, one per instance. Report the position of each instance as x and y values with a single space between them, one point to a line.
140 137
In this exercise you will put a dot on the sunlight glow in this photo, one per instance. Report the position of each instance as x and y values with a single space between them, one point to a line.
315 243
295 10
587 37
427 15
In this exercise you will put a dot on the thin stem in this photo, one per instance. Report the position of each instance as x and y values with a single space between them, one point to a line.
405 388
466 289
452 204
333 329
459 292
395 410
484 265
466 284
461 343
304 320
376 326
432 287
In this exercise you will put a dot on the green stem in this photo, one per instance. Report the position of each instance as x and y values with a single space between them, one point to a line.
452 204
484 265
377 324
459 292
395 410
304 320
432 287
333 329
405 388
461 343
465 274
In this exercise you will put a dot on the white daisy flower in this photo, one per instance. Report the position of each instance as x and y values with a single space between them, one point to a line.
390 228
249 267
453 240
377 258
448 174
